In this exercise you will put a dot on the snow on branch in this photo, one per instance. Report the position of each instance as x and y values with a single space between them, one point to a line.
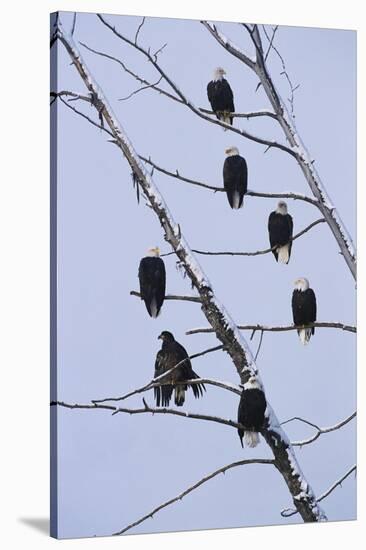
147 409
225 328
283 328
188 102
172 297
287 512
195 486
287 124
319 431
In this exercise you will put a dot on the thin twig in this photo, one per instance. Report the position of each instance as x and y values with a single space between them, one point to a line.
319 431
195 486
73 25
139 28
274 30
284 328
259 346
140 90
257 252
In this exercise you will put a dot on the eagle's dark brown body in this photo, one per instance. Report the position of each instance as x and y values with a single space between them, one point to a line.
171 354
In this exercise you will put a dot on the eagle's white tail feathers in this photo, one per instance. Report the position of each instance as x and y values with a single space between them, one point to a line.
236 200
251 439
283 254
154 308
305 335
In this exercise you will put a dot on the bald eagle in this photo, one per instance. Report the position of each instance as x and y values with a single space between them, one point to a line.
152 281
169 356
235 174
251 412
304 309
221 96
280 229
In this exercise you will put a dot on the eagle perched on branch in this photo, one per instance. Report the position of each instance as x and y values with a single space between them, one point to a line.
172 354
221 97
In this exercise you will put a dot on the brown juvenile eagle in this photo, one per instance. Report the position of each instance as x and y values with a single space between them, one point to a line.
169 356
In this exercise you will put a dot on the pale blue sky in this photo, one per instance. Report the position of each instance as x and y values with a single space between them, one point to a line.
112 470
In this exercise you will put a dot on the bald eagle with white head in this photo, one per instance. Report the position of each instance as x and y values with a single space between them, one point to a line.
304 309
280 230
172 353
221 97
251 411
152 281
235 173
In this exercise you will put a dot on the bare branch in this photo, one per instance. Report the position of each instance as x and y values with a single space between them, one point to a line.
154 383
73 24
172 296
259 345
195 486
319 431
86 117
258 252
337 483
147 84
149 410
284 70
188 102
177 175
291 511
274 30
284 328
139 28
141 90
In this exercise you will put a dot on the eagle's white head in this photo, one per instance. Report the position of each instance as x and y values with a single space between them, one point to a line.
231 151
253 383
153 252
219 73
281 208
301 284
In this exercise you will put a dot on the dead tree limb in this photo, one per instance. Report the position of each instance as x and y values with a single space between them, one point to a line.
284 328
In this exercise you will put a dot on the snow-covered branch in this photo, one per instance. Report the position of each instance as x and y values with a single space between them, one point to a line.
218 317
298 149
195 486
282 328
287 512
172 297
319 431
149 410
